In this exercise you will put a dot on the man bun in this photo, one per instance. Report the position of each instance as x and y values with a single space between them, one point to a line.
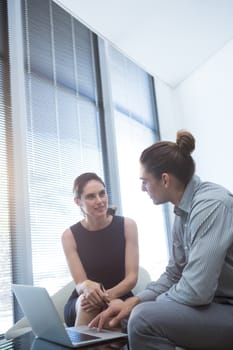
185 141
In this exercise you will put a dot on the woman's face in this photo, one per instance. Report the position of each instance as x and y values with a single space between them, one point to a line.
156 189
94 199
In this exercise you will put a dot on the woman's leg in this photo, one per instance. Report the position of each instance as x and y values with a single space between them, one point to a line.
69 311
163 325
83 317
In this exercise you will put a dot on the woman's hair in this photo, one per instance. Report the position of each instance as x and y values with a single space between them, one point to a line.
81 181
171 157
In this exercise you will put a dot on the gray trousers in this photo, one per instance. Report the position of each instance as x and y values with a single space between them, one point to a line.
163 325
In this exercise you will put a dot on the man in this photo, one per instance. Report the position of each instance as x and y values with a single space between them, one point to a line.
191 304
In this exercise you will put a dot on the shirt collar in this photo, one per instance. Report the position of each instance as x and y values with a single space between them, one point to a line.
184 207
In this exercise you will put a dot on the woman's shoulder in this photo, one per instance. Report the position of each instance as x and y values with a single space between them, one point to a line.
123 218
76 227
129 221
126 221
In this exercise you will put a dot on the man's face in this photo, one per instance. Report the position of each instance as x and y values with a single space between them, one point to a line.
155 188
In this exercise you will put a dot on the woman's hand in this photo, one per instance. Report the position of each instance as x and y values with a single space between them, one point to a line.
86 306
93 296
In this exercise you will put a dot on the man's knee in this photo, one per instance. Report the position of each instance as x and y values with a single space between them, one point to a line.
137 322
149 317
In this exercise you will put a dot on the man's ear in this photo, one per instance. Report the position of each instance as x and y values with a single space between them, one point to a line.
165 179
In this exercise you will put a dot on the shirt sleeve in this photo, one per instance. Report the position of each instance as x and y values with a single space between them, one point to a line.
193 280
154 289
211 230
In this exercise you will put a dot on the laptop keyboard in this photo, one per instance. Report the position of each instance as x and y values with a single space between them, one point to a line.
77 337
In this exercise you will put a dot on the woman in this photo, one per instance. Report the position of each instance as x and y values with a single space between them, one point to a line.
101 251
191 304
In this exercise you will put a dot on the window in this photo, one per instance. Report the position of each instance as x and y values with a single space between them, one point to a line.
63 132
136 127
59 131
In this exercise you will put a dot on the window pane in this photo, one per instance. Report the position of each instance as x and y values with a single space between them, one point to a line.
63 136
136 129
135 203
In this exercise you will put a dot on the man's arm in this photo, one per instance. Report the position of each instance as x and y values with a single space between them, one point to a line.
211 237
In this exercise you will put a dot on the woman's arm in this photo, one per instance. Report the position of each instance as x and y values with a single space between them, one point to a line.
131 261
75 265
94 296
90 289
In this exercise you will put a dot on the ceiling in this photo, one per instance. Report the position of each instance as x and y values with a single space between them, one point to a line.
168 38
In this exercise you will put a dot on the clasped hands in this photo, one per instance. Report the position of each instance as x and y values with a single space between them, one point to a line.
93 296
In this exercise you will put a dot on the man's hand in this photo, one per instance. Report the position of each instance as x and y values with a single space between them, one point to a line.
116 312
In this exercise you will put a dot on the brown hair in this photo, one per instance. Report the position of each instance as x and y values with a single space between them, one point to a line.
171 157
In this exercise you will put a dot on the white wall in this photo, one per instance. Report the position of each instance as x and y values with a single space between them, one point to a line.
203 104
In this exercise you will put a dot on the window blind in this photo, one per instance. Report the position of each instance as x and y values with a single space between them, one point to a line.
63 136
61 129
136 128
5 173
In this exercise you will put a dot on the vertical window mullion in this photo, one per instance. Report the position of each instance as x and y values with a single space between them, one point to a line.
109 128
6 310
19 206
20 226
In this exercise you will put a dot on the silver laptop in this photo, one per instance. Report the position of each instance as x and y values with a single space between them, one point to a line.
46 323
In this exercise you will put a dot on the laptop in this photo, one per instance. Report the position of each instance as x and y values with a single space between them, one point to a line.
46 323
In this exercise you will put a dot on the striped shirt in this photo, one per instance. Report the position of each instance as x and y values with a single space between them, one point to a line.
200 269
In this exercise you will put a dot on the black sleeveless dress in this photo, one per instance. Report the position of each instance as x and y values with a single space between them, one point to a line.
102 254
